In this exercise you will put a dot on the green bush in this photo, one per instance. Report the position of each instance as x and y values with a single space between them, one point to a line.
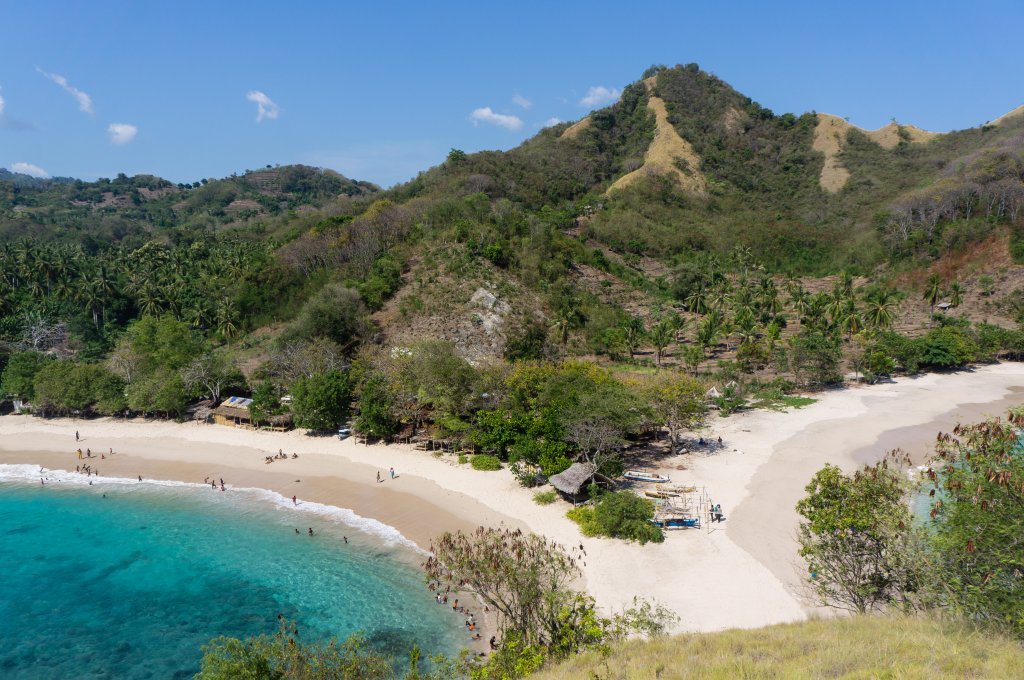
486 463
620 514
463 459
545 497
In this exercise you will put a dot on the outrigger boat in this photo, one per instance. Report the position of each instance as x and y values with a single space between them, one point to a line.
677 523
657 493
641 476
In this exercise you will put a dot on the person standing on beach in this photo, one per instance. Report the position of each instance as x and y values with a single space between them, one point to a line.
378 476
76 435
392 473
295 500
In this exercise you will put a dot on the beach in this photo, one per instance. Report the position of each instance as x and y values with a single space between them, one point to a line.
743 572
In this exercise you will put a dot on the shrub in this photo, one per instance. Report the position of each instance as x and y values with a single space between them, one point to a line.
545 497
463 459
486 463
621 514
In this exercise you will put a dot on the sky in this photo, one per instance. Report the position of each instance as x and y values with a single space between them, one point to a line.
380 91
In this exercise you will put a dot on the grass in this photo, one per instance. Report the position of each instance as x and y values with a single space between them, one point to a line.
857 647
782 403
545 497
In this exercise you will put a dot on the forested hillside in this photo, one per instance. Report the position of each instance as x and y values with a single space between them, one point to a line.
685 227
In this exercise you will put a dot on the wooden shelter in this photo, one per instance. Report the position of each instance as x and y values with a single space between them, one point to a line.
573 481
233 411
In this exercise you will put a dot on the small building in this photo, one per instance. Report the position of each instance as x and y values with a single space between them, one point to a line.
573 481
233 411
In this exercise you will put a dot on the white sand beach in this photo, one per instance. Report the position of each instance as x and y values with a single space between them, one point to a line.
743 572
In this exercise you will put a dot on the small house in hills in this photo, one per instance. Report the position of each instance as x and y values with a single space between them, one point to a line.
233 411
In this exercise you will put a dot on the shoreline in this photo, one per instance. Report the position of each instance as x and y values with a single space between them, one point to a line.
742 573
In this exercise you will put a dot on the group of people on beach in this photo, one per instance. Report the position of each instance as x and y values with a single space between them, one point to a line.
212 481
391 473
715 511
280 455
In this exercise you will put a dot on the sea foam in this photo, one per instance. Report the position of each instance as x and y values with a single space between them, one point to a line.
389 535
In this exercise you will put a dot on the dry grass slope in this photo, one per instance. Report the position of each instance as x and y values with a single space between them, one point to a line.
830 136
576 128
663 155
862 647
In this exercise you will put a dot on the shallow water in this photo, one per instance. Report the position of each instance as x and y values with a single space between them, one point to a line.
132 584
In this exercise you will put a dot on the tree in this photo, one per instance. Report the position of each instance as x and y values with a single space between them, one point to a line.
375 408
159 391
336 313
661 336
878 308
266 401
693 355
525 579
956 294
977 480
856 539
321 402
814 357
214 373
678 401
19 374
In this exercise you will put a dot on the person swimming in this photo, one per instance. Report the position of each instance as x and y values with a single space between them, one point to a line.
311 531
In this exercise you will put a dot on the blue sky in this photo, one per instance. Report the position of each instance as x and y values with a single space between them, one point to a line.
380 91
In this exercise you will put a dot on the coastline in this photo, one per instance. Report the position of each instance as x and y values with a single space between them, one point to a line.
741 573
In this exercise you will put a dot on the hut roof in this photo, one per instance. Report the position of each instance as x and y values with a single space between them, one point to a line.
281 420
572 480
233 407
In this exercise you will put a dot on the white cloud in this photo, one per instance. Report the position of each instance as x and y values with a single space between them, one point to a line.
551 122
265 106
121 133
84 100
29 169
486 115
599 95
2 104
520 100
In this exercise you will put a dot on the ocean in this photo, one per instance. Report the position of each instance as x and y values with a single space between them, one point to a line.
122 579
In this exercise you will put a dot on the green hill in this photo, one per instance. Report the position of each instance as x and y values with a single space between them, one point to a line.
680 185
865 647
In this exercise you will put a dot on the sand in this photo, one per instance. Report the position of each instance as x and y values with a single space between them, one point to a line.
740 573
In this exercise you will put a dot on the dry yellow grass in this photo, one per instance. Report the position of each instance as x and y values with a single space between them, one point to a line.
861 647
664 152
830 136
573 130
1006 116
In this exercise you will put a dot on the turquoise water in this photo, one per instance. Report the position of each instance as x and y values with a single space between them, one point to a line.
132 584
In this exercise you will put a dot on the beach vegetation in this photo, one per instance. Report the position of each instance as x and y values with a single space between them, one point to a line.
18 378
976 482
545 497
618 514
323 401
65 387
527 581
375 417
482 461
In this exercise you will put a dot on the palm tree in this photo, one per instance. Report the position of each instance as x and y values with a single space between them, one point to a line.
697 301
956 294
932 293
879 307
634 334
849 319
661 337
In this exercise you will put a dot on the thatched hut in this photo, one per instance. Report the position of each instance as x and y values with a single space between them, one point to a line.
573 482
